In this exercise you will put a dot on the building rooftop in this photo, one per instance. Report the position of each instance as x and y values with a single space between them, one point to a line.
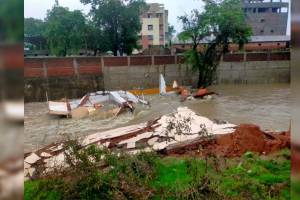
270 38
262 38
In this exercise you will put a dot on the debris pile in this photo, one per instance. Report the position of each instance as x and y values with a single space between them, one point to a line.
181 132
92 102
180 126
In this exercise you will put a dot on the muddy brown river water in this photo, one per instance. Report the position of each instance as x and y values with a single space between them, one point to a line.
264 105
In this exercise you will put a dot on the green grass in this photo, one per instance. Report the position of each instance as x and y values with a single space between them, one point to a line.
42 189
249 177
295 189
173 174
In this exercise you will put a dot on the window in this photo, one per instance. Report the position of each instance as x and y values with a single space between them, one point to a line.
150 27
161 26
275 10
262 31
262 20
259 44
150 37
272 31
161 37
262 10
254 10
149 15
284 10
278 44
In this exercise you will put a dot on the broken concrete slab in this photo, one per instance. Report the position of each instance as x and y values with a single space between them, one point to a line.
32 158
31 171
26 165
45 155
152 141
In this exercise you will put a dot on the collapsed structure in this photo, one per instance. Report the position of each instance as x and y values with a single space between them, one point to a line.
180 132
113 103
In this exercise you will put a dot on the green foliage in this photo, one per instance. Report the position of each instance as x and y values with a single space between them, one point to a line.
248 154
119 21
11 21
65 31
96 39
295 189
172 174
97 173
43 190
170 33
221 22
34 27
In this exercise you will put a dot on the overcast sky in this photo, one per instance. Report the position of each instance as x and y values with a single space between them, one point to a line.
38 8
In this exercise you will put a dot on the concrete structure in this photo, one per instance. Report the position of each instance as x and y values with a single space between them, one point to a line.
267 17
74 77
154 26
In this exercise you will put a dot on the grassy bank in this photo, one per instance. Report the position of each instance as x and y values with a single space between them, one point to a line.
98 174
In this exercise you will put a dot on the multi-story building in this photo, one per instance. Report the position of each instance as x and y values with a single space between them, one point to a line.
267 17
154 26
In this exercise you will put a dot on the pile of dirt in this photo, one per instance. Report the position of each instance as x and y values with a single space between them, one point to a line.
247 137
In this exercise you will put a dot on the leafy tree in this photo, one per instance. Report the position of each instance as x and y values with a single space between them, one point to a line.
11 21
120 22
222 22
33 27
65 30
34 33
95 39
170 33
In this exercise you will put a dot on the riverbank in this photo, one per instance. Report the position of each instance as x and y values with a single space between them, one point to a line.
180 155
151 176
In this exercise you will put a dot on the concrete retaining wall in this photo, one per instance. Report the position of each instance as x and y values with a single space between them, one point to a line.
254 72
73 77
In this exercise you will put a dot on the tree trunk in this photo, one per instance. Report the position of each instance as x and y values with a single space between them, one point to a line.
115 52
200 79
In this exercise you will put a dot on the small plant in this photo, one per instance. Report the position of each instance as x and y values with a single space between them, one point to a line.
179 125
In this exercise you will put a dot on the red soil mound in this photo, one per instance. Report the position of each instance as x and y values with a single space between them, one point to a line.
250 138
247 137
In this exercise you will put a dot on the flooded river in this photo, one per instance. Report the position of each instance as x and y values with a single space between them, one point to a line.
264 105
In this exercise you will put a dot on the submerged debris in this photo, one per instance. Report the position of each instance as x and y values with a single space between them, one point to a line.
92 102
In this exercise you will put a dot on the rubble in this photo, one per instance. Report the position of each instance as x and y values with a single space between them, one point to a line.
180 132
92 102
32 158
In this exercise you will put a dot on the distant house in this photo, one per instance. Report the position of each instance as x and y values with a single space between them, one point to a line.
154 26
256 43
267 17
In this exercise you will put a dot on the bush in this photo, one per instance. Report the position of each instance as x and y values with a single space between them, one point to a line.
97 173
